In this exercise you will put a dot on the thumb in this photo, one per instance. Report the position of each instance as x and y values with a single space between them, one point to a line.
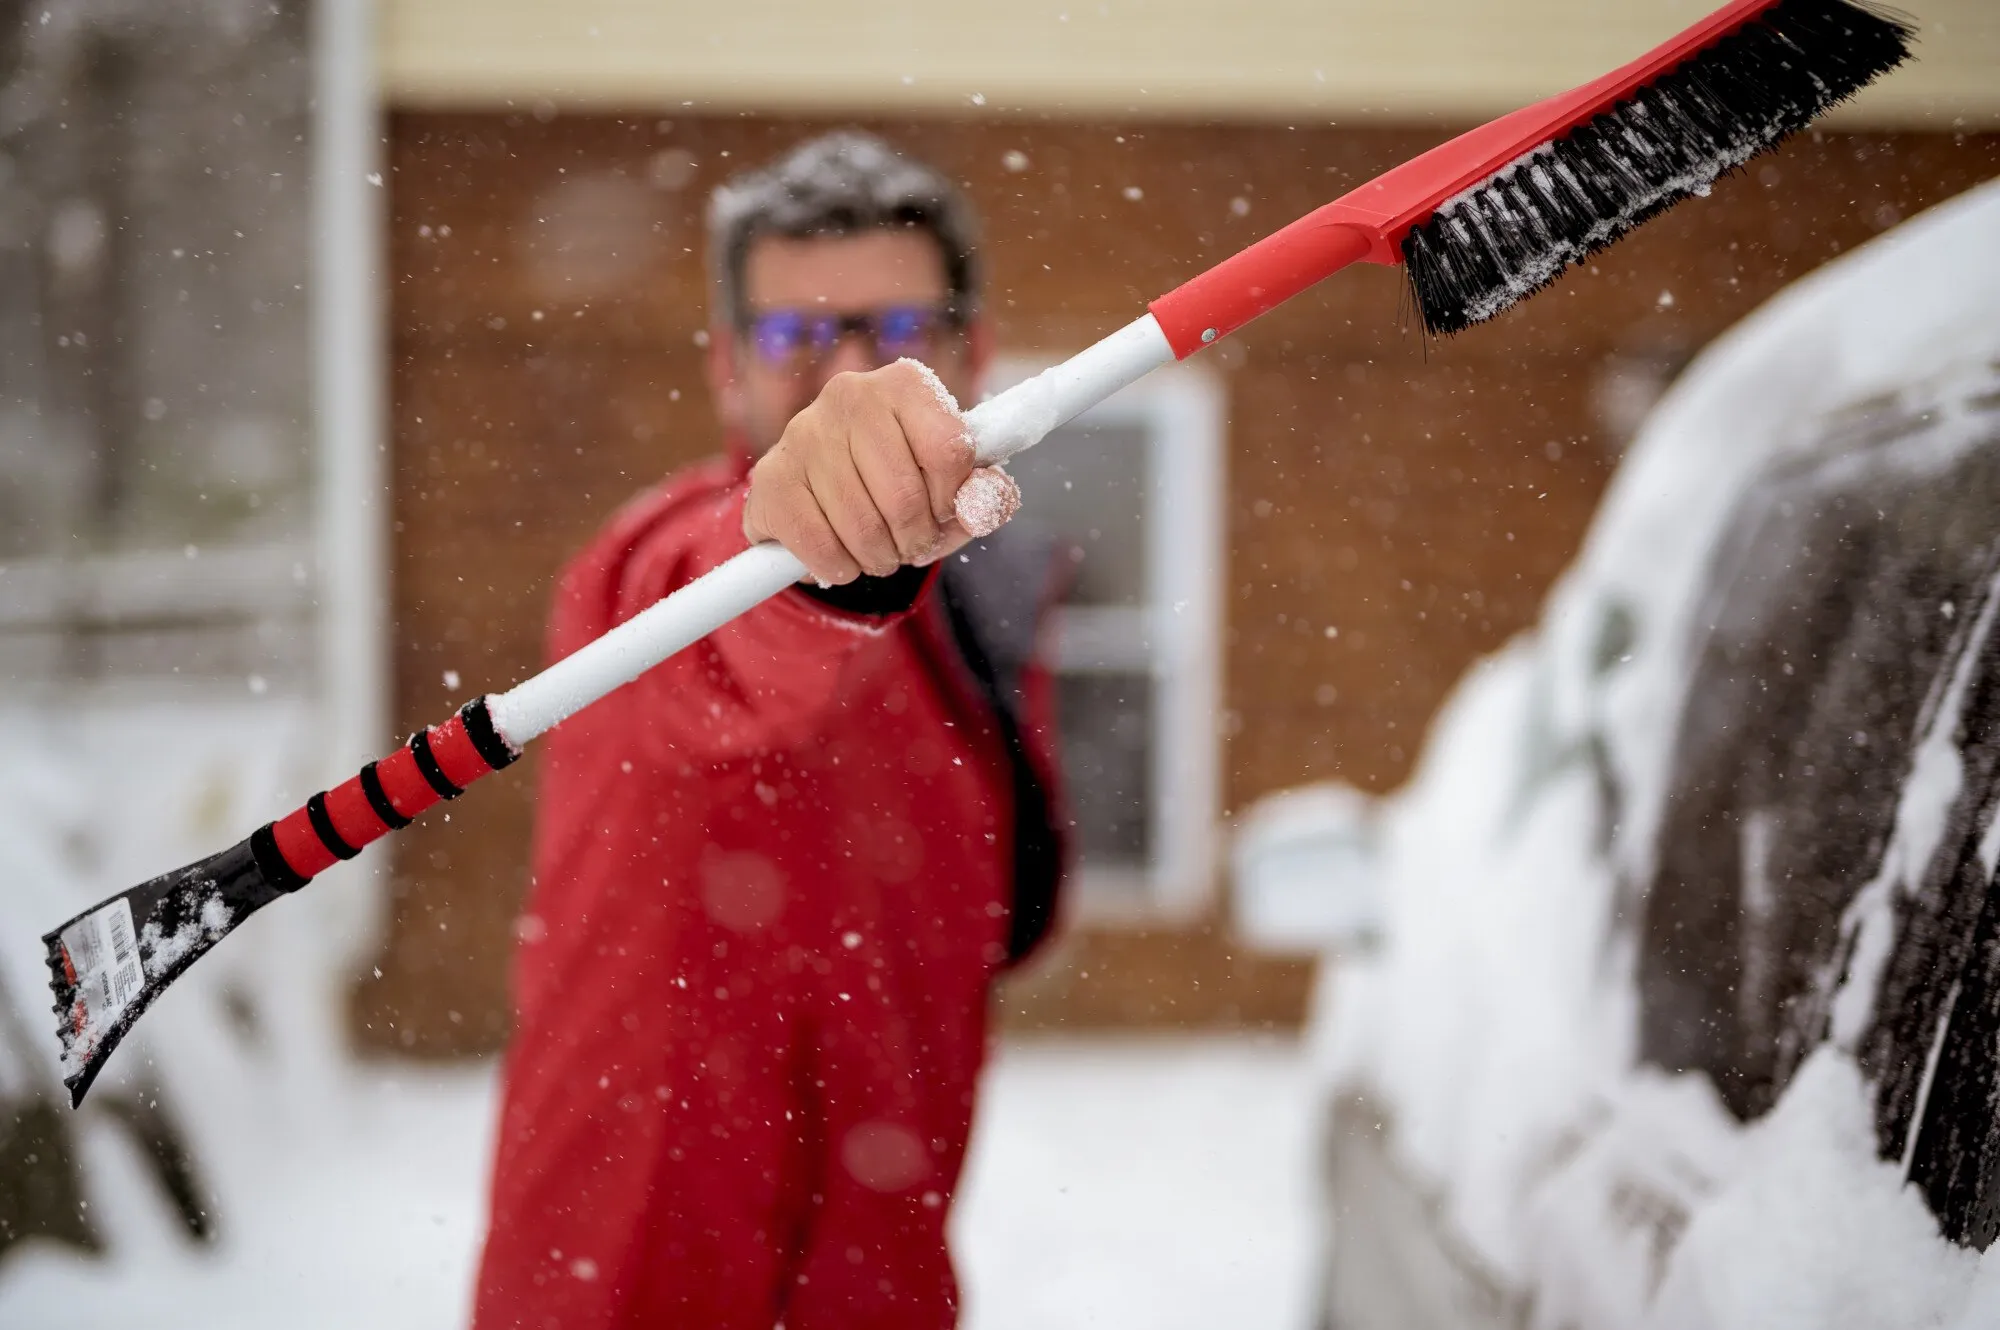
985 502
983 505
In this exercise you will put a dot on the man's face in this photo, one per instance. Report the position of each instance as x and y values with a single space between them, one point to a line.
822 306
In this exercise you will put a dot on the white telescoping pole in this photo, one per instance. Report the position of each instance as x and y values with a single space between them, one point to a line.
1009 423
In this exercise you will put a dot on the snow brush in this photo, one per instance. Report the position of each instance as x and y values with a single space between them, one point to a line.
1481 222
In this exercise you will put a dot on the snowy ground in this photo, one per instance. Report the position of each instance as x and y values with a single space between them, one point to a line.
1159 1184
373 1223
1154 1184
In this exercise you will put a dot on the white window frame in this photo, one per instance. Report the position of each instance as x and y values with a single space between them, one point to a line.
350 386
1176 638
330 581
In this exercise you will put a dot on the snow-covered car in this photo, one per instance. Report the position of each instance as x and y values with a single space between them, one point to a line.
1687 1011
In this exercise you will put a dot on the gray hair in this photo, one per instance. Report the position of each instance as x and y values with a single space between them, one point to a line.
836 185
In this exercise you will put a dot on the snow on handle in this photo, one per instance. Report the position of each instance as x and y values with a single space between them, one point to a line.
1009 423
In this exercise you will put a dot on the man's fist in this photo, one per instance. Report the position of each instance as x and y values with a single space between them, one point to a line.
866 479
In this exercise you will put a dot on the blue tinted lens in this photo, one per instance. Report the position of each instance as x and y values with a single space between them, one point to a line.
781 335
778 334
903 327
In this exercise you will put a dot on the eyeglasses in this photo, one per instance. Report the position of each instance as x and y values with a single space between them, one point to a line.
791 338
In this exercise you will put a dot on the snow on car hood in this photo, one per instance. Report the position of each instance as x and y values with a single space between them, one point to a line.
1499 1024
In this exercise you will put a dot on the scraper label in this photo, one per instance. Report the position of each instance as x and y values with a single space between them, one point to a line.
104 950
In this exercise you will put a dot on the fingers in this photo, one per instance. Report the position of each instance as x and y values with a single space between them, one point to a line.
953 539
781 507
913 461
935 432
865 478
854 512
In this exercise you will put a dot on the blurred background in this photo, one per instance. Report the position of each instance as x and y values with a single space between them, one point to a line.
327 332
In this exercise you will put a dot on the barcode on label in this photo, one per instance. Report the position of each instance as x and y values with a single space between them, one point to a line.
125 976
103 948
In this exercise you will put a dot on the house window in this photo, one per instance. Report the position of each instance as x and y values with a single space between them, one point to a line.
157 409
1133 487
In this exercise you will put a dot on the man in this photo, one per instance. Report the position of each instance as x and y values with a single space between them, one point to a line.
775 877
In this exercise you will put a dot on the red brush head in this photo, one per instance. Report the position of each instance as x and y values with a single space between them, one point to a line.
1496 213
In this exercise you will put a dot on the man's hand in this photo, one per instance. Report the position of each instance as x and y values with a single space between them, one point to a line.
865 479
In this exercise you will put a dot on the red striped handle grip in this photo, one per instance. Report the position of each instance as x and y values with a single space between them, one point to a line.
437 763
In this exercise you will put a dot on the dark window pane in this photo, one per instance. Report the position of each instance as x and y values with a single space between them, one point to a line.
1107 746
1089 485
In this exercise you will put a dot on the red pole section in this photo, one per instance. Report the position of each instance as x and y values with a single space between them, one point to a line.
1257 279
437 763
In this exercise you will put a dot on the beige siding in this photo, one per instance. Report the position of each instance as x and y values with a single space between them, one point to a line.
1254 59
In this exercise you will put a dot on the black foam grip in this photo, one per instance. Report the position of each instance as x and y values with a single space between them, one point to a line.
378 799
420 747
479 727
322 825
270 862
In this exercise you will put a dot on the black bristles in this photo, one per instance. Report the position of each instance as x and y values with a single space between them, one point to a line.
1511 235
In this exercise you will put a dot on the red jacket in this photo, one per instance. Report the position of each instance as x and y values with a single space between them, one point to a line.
773 881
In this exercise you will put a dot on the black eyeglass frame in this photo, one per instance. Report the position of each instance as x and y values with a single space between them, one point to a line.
946 315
